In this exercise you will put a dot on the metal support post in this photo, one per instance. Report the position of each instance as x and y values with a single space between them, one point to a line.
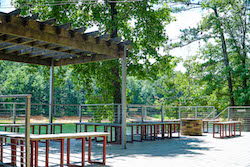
14 113
124 98
51 96
27 130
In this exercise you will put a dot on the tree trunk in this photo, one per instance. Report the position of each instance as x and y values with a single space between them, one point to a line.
226 60
116 82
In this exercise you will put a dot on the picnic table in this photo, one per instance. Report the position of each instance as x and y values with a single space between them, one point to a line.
34 139
153 126
143 126
16 127
222 128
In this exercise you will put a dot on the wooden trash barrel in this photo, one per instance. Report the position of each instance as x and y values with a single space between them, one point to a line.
191 127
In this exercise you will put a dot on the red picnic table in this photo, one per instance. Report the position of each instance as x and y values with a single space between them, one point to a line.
34 139
222 128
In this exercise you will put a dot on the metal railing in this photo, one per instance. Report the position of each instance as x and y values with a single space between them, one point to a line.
109 112
27 103
236 113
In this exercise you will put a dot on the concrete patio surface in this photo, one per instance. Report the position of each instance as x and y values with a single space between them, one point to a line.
187 151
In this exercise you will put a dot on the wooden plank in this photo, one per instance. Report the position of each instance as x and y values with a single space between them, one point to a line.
22 59
60 136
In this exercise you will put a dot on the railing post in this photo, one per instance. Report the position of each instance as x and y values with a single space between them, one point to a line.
145 113
228 113
118 113
196 108
14 113
162 113
179 112
142 113
80 116
213 113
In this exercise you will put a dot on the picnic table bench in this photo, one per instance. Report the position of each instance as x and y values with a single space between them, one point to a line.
222 128
34 139
206 123
117 127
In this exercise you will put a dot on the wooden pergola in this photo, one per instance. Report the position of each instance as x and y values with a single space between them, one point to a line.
24 39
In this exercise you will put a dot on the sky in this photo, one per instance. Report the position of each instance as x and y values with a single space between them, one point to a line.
184 20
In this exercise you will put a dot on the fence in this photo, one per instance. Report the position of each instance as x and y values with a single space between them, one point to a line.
71 113
10 147
236 113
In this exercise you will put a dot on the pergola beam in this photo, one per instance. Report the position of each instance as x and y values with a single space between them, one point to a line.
79 41
33 60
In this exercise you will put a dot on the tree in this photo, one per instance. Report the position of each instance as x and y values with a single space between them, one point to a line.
226 23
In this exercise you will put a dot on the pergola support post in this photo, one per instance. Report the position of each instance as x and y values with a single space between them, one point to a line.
27 130
51 95
124 98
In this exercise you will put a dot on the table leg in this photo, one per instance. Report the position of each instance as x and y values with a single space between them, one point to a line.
240 128
154 132
68 151
141 132
21 154
213 130
62 151
13 152
104 149
179 130
1 140
120 135
83 151
31 153
170 131
111 134
47 153
132 134
36 153
89 151
162 131
234 129
39 129
151 132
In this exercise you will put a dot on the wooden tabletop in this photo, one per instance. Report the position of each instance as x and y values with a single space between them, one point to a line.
228 122
59 136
